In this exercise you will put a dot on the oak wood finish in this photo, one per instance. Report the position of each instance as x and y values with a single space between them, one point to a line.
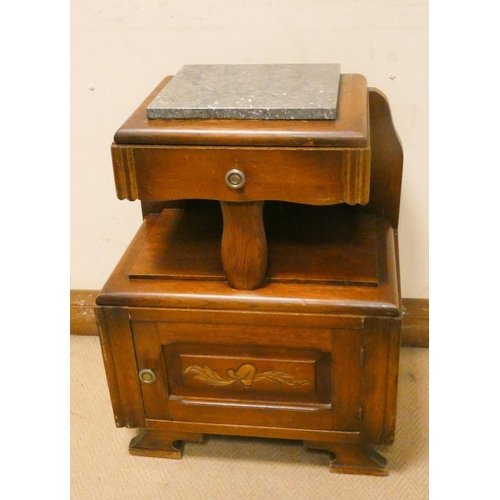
119 362
310 174
386 160
250 430
161 444
244 244
297 238
414 323
275 314
316 176
341 367
352 458
349 130
277 296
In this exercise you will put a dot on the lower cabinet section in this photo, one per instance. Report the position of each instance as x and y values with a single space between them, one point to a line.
250 375
322 379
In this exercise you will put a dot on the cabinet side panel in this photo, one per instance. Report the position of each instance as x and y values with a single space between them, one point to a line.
386 161
379 380
120 365
392 381
345 354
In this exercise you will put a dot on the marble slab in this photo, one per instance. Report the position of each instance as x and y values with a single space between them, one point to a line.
250 92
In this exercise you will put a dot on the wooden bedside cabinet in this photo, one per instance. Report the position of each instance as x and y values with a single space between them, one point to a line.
260 296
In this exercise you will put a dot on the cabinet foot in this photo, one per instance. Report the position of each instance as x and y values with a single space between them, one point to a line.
161 444
352 458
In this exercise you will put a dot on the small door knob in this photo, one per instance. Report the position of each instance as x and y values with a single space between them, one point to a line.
147 376
235 178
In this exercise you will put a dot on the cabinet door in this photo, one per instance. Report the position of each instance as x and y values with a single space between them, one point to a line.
240 374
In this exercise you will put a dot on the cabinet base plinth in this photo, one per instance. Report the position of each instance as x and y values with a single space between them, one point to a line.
161 444
352 458
345 458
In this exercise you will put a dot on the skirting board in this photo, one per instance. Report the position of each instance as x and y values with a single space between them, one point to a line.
415 328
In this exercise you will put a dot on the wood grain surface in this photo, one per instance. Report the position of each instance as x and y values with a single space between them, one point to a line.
415 322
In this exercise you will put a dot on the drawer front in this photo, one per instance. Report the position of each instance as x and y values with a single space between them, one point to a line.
317 176
249 375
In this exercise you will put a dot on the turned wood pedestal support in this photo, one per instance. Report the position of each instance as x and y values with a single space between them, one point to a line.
244 244
260 296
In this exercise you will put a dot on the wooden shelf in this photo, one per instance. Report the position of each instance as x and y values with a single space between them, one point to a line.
305 245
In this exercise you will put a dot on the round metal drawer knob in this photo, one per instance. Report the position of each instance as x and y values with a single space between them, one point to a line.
235 178
147 376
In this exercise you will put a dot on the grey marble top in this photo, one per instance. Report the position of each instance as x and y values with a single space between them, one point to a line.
250 92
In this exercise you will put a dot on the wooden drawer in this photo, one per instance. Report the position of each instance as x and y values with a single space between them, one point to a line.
249 374
317 176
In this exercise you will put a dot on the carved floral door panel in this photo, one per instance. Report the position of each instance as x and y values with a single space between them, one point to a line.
246 375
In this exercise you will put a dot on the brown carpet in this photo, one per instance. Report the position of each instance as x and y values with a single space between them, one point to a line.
236 468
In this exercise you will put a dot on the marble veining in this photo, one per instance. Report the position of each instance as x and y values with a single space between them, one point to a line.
250 92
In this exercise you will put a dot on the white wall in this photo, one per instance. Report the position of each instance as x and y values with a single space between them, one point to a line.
123 48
